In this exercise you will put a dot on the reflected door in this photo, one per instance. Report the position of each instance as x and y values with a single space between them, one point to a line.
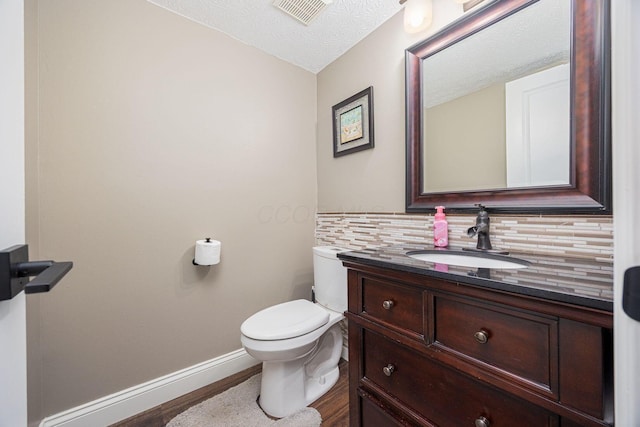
537 128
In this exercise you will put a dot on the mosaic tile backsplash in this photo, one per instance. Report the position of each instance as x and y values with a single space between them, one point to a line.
589 237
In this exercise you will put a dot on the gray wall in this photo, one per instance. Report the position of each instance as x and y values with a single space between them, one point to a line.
466 142
153 132
370 180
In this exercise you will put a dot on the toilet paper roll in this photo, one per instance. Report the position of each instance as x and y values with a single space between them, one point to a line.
207 252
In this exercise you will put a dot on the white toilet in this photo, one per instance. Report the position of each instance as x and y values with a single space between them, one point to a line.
300 342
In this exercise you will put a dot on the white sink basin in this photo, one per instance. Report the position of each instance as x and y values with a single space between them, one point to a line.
479 260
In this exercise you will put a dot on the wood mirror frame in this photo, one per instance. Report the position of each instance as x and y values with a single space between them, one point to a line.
589 190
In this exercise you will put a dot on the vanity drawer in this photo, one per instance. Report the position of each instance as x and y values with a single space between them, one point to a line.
523 344
396 305
443 396
373 414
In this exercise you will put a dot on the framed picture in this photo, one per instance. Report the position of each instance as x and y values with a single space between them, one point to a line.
353 123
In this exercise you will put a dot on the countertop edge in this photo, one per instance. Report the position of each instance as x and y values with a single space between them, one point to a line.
583 301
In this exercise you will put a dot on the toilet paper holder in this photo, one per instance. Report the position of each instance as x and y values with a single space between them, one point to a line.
16 269
207 252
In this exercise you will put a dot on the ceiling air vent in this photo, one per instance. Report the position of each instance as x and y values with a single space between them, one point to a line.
303 10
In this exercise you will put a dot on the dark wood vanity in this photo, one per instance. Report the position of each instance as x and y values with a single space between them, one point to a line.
434 348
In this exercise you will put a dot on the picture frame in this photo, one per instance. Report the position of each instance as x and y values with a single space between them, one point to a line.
353 123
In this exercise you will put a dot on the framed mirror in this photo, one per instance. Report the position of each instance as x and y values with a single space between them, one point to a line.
510 107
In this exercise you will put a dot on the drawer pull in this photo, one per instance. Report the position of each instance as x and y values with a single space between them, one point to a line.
387 304
388 370
482 337
482 422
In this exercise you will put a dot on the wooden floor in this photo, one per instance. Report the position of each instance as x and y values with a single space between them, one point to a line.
333 406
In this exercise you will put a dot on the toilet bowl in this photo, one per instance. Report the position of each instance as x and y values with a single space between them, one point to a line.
300 342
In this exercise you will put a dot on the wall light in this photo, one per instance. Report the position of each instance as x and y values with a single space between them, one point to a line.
418 15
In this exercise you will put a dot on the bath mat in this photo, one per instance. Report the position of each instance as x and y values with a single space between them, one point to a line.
237 407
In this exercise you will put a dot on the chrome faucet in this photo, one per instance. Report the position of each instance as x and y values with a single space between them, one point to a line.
481 229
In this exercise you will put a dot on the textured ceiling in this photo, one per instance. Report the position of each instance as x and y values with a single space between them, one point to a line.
258 23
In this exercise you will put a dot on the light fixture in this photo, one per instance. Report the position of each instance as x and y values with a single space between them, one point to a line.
418 15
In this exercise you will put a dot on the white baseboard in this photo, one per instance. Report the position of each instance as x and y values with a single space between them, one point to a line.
126 403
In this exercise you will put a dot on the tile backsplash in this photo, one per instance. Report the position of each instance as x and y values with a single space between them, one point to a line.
588 236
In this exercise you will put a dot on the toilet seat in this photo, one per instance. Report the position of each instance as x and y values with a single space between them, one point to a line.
283 321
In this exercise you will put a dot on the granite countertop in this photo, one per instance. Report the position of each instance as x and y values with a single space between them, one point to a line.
584 282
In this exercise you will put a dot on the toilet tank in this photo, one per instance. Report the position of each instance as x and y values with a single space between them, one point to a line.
330 278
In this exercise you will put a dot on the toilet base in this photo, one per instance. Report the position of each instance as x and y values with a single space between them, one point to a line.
316 387
290 386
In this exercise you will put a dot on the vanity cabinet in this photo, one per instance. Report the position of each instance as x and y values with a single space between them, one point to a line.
426 351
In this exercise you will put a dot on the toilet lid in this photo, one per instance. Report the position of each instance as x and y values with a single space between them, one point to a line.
287 320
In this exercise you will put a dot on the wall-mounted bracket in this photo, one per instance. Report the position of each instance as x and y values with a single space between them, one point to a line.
15 270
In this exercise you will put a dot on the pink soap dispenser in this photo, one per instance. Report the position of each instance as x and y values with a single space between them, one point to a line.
440 229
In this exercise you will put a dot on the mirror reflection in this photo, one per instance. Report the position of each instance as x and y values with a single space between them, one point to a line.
496 105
